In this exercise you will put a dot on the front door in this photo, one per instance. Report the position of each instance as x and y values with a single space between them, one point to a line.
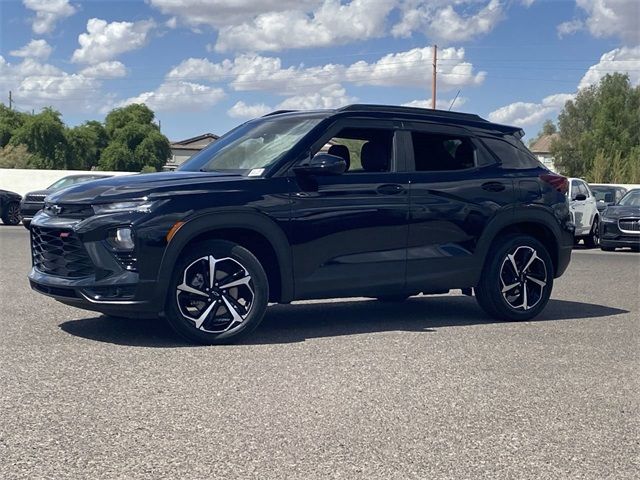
349 231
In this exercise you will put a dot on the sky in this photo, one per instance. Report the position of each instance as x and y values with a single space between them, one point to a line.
208 65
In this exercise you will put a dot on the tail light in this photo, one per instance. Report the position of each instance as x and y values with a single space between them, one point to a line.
558 182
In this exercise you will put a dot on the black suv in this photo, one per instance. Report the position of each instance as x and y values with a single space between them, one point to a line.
374 201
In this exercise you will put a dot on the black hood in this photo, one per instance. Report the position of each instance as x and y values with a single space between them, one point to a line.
619 211
130 187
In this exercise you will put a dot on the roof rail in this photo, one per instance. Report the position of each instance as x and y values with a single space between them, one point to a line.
277 112
415 110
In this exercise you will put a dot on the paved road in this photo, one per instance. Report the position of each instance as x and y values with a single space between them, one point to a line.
431 389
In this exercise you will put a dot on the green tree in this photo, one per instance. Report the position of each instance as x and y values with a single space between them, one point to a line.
132 128
118 157
16 156
602 118
10 122
44 136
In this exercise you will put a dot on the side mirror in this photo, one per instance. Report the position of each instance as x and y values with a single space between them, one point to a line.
322 164
581 197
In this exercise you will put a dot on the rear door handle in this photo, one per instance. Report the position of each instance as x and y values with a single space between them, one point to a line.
493 186
390 189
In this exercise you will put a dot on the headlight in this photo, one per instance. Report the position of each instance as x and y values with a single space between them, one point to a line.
142 206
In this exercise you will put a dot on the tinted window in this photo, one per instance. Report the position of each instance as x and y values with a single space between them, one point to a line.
511 153
363 149
436 152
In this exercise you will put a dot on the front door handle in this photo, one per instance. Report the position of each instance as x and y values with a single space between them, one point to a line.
493 186
390 189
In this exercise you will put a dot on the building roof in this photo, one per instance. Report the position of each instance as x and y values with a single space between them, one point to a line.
543 144
195 143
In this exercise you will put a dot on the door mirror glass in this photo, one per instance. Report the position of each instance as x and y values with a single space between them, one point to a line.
322 164
581 197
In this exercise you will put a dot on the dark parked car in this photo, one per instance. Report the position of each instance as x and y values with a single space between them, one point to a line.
607 195
621 223
404 201
10 207
33 202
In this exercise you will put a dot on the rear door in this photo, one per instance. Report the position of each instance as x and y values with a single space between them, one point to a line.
457 187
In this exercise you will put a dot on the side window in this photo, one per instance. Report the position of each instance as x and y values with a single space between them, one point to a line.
434 152
364 149
511 155
585 189
575 189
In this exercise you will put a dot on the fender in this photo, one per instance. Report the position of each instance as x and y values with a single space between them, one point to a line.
530 213
229 218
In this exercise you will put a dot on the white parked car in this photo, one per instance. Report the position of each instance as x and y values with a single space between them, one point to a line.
584 211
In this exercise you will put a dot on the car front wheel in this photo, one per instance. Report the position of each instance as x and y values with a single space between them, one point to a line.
11 215
517 279
218 293
593 239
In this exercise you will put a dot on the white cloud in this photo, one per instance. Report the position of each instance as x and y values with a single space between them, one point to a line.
242 110
179 95
105 41
255 72
331 96
34 49
609 18
441 104
411 68
113 69
36 85
48 12
570 27
438 19
527 113
330 24
623 60
218 13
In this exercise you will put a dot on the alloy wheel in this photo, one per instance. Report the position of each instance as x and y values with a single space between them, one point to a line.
216 294
13 214
523 275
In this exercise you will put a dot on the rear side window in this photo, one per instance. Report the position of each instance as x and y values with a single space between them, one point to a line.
436 152
510 154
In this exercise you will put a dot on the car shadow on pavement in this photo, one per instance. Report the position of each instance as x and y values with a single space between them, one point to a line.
302 321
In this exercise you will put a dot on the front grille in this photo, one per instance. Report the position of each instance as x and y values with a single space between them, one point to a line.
58 252
35 197
69 210
631 225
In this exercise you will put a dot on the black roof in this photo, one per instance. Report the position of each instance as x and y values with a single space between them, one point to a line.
413 113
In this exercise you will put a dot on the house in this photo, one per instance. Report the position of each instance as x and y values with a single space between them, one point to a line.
542 150
184 149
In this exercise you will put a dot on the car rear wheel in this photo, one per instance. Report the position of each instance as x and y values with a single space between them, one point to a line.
593 239
11 214
517 279
218 293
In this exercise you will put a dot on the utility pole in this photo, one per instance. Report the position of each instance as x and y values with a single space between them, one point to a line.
433 81
10 100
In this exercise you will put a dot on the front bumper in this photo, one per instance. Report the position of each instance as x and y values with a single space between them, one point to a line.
612 237
28 210
101 283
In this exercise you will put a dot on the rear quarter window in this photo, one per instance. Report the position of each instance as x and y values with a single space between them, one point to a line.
511 154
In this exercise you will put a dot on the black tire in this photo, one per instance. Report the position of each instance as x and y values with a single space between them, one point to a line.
489 292
593 239
607 249
11 214
232 263
392 298
26 223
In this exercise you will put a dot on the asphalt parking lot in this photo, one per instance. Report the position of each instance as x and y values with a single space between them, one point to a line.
429 389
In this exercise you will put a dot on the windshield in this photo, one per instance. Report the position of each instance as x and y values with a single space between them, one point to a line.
68 181
631 199
603 193
253 146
